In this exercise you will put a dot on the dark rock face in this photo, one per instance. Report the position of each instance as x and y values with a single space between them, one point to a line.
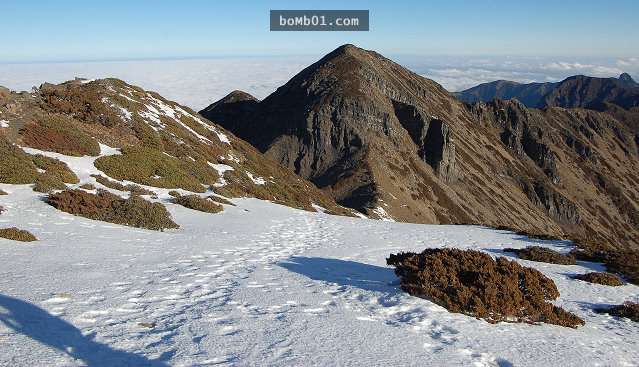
381 139
556 205
627 79
433 138
236 106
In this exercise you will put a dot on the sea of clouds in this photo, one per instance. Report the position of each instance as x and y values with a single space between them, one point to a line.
199 82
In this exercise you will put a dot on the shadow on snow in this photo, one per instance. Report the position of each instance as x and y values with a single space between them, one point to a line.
345 273
32 321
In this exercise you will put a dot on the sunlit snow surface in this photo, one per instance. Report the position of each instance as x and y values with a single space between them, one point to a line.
263 284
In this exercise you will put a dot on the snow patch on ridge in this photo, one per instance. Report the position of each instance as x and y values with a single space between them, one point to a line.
220 168
83 166
382 214
4 123
256 179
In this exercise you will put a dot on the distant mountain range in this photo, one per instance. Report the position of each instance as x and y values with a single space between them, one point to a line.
575 91
394 145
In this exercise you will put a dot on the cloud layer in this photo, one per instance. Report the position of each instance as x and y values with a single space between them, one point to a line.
199 82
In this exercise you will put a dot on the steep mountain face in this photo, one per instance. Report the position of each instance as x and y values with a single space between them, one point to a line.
160 143
395 145
619 97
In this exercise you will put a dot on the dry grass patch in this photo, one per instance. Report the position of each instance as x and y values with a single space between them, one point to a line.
87 186
543 254
473 283
16 234
601 278
105 206
198 203
152 167
628 310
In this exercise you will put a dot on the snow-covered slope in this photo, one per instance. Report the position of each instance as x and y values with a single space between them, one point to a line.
263 284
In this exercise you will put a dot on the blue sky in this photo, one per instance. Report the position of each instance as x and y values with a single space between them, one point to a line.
34 31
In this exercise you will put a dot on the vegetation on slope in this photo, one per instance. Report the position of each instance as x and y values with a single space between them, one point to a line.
152 167
473 283
543 254
600 278
16 234
197 203
105 206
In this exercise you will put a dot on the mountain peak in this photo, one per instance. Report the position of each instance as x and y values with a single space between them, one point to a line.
348 48
626 78
348 51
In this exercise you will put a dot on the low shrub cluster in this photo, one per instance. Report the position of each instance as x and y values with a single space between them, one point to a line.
57 133
105 206
152 167
600 278
220 200
543 254
628 310
46 182
198 203
16 234
88 186
3 193
16 167
56 168
473 283
623 262
133 189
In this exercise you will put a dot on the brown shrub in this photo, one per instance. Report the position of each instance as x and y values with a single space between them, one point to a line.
543 254
46 182
628 310
134 211
198 203
87 186
623 262
16 234
473 283
57 133
600 278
